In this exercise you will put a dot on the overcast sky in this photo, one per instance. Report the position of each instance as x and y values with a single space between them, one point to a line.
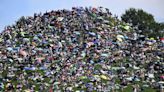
11 10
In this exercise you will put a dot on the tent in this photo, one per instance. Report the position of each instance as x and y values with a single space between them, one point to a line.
30 68
104 54
23 53
1 39
104 77
162 76
120 38
151 75
125 27
162 40
129 78
9 48
60 18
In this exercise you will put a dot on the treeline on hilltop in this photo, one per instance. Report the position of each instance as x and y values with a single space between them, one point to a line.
143 22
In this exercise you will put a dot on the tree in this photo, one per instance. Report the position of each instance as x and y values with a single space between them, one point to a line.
142 21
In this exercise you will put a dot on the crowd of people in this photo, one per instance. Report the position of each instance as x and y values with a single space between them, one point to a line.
83 49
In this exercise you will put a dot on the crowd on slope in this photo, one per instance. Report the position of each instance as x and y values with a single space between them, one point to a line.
79 49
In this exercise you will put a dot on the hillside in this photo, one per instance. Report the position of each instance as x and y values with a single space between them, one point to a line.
79 49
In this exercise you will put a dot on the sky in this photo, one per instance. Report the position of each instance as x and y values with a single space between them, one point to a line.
12 10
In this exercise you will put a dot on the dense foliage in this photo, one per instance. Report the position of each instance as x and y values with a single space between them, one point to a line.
143 22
